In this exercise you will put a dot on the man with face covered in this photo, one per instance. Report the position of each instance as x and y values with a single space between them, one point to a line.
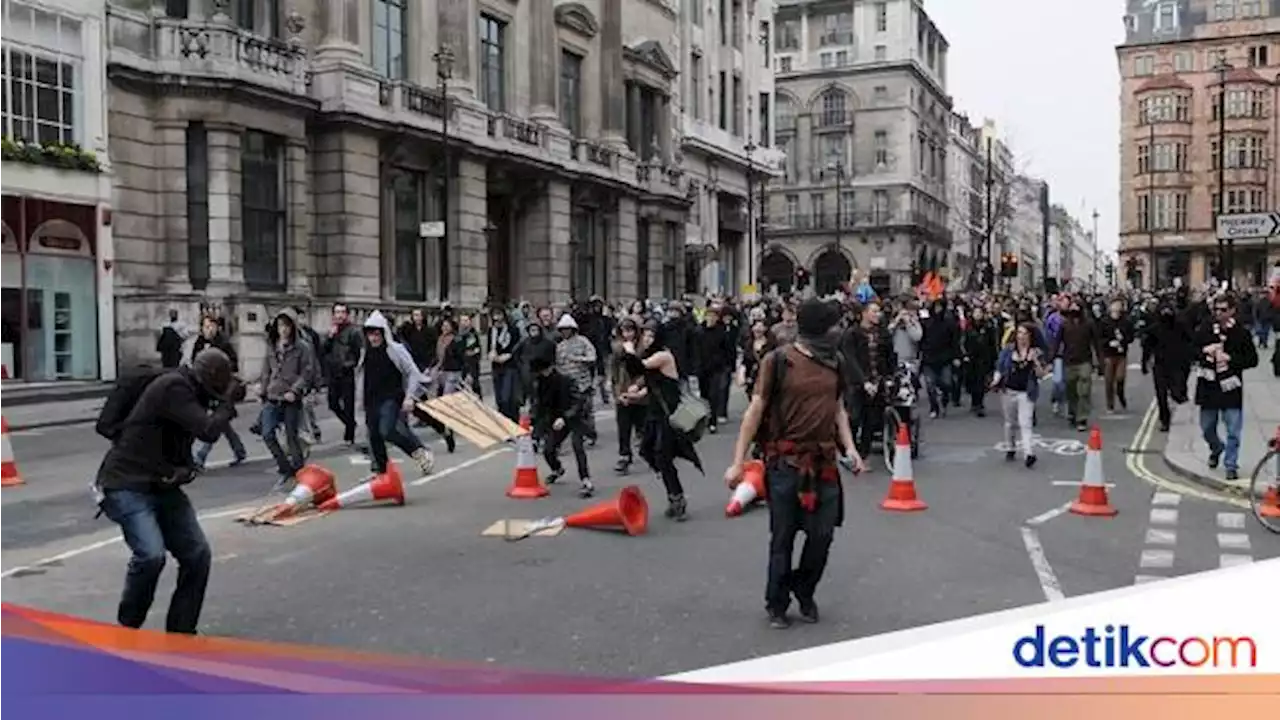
1166 346
1081 351
939 355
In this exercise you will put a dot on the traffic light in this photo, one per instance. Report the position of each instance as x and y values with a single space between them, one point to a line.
1111 273
1009 265
1131 268
802 278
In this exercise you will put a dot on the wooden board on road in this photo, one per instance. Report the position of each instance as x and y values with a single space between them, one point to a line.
467 416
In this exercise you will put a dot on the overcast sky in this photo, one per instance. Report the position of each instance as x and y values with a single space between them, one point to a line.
1045 71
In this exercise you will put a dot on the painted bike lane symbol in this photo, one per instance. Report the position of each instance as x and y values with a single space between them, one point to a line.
1066 447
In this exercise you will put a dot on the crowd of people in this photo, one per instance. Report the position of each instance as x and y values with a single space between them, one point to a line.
818 376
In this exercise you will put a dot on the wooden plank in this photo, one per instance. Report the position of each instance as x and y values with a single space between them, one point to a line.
513 528
470 419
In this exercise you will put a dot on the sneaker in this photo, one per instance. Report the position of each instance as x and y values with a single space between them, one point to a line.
623 466
933 414
450 442
1233 475
1010 455
586 489
306 437
1082 427
554 475
284 483
808 611
711 428
1030 461
679 509
1124 404
779 620
426 461
240 460
1214 457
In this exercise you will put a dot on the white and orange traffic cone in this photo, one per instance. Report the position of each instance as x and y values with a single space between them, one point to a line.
526 485
902 489
1093 488
8 465
384 486
316 485
751 488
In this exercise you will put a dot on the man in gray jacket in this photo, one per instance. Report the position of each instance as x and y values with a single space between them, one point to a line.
288 369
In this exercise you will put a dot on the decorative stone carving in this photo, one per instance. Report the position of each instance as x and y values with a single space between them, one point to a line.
220 8
295 23
650 54
576 17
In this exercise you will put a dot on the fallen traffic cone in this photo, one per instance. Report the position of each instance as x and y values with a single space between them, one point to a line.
1270 505
1093 489
751 488
384 486
315 486
902 489
8 466
629 511
526 485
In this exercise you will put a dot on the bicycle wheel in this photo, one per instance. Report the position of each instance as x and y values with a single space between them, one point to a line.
1264 487
891 422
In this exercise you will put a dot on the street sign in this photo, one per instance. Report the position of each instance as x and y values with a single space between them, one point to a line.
1248 226
431 229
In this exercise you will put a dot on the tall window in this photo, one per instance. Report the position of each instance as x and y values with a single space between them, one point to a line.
881 206
695 85
882 147
1183 62
724 101
837 29
670 259
788 36
262 209
695 14
765 33
882 16
846 208
792 208
833 108
736 125
764 139
493 61
1258 56
817 208
735 28
1166 17
197 205
642 258
1144 65
571 91
410 246
39 67
390 18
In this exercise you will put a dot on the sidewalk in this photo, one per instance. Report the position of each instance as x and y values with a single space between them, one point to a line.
1186 452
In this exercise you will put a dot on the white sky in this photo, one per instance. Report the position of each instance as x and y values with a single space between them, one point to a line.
1045 71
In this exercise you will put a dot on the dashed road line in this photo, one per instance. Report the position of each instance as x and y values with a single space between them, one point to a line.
1158 536
1233 541
1235 546
1153 558
1234 560
1163 516
1166 499
1231 520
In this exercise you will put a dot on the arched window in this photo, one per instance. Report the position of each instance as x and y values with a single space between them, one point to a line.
833 107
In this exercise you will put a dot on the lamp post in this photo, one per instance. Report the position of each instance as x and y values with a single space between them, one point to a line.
1093 271
751 212
1224 253
444 71
1150 118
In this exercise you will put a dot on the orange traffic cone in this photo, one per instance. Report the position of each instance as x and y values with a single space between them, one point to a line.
8 466
526 485
629 511
384 486
902 489
315 486
1270 505
751 488
1093 489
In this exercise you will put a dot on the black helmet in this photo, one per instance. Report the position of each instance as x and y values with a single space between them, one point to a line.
212 369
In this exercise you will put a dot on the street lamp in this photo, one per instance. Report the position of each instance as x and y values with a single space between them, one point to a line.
1150 117
751 212
444 72
1224 254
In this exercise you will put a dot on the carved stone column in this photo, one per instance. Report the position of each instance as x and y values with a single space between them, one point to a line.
457 29
340 31
614 102
544 57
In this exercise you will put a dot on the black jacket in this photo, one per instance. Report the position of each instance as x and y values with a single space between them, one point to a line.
154 442
555 396
941 341
220 341
421 342
981 345
715 351
1115 335
1223 388
342 351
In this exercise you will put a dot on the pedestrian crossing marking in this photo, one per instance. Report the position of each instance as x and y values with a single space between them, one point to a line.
1167 499
1156 536
1156 558
1164 516
1231 520
1233 541
1234 560
1140 579
359 460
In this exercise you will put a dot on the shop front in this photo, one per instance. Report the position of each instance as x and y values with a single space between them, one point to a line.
50 290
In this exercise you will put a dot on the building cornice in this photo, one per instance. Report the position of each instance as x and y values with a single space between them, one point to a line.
576 17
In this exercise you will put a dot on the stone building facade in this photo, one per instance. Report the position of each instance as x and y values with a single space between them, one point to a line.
862 113
303 153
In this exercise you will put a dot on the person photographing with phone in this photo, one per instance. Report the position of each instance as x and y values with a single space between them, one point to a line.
152 420
797 416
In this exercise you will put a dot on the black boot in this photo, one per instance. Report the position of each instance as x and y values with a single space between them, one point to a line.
1124 404
624 465
677 509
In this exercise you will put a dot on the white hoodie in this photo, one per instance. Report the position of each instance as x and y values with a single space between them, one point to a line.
416 384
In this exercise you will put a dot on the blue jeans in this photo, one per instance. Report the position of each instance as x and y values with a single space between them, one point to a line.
1059 393
384 421
505 381
275 414
1233 418
153 523
233 438
1262 331
937 380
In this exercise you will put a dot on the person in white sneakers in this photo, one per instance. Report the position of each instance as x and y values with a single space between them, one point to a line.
392 386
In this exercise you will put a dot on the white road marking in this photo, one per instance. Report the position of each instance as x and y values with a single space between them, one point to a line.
1166 499
1137 465
1077 483
1140 579
359 460
1156 536
229 512
1044 571
1233 541
1164 516
33 432
1152 558
1045 517
1234 560
1231 520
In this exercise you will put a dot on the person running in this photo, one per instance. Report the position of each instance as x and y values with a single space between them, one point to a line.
1224 351
939 355
1167 349
980 354
558 408
392 386
1081 354
1116 334
287 370
576 360
653 360
806 432
342 350
1017 377
211 336
630 413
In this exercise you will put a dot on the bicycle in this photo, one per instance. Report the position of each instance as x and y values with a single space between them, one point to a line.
900 392
1264 491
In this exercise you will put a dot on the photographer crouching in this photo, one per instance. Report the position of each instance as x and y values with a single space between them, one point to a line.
152 418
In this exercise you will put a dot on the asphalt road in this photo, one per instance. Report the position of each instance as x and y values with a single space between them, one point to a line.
421 580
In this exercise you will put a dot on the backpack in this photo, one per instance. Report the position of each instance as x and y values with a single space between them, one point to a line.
123 397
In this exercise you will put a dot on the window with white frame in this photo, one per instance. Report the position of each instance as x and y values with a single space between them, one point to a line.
828 60
1224 10
262 209
833 108
1214 58
882 147
842 58
787 36
1166 17
846 207
1258 56
882 17
1164 108
1144 65
40 68
837 29
817 207
784 64
1249 9
390 18
881 205
792 208
833 151
1183 61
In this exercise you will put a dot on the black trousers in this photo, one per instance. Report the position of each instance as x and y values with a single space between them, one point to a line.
870 421
342 401
630 425
786 519
575 430
714 386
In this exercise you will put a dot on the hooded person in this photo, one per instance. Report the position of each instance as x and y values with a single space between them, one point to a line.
139 484
288 370
558 408
393 385
576 360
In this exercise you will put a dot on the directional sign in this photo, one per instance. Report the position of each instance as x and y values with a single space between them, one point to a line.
1248 226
